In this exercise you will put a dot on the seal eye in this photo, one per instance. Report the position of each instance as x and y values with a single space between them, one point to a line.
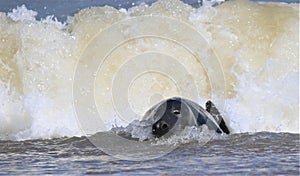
164 126
176 111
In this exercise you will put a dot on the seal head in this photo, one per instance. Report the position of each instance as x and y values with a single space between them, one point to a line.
174 114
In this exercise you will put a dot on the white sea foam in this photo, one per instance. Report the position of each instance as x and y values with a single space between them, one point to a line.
22 14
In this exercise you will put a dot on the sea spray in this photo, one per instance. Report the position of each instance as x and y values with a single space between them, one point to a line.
256 43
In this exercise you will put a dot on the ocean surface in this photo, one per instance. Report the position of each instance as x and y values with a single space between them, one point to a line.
238 154
77 77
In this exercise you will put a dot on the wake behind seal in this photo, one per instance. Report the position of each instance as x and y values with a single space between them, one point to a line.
174 114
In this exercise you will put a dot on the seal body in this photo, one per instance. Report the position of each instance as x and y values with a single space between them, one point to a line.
176 113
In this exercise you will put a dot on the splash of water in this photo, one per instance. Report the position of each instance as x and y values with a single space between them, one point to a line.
257 44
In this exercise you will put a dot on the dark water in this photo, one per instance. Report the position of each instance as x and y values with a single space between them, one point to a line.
239 154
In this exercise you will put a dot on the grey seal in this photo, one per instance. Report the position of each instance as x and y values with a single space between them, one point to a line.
174 114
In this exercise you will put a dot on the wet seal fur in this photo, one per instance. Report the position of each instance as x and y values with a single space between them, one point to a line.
176 113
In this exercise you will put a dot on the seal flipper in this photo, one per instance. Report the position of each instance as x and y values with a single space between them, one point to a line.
211 108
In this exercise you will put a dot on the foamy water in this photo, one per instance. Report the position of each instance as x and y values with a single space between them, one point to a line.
257 45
